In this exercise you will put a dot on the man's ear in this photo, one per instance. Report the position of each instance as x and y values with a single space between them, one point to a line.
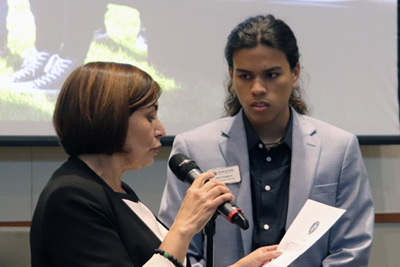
296 74
231 73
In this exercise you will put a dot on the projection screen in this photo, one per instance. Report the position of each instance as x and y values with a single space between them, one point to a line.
348 57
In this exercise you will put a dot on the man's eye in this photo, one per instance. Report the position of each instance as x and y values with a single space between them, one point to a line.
271 75
245 76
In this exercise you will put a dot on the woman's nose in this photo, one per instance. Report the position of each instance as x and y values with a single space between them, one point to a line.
160 130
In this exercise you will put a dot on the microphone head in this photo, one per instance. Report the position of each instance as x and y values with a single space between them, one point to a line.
181 165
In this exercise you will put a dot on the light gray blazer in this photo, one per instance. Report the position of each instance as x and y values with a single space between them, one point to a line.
327 166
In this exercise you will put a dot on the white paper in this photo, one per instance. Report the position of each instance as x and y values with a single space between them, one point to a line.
312 222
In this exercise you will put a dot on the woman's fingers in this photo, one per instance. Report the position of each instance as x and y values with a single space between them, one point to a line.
202 200
258 257
269 248
208 190
202 179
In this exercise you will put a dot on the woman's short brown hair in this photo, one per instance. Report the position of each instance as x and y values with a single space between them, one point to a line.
92 111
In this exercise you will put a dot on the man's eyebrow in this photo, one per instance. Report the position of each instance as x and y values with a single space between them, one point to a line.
267 70
242 70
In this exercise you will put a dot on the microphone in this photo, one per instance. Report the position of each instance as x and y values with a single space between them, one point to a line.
187 170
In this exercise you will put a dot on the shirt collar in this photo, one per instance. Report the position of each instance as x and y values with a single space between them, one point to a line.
253 139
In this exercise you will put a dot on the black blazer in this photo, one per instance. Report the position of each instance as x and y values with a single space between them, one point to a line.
80 221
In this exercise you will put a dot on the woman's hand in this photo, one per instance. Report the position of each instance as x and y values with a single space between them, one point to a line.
258 257
202 199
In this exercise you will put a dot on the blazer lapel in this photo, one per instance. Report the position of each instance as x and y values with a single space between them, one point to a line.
305 156
233 147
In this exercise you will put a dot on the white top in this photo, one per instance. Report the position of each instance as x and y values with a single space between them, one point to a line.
158 229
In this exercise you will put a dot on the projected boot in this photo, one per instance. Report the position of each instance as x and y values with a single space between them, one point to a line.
32 67
54 74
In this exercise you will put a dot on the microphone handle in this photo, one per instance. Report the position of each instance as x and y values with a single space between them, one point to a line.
228 210
192 174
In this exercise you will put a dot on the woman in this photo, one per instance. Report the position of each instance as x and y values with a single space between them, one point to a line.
284 156
106 120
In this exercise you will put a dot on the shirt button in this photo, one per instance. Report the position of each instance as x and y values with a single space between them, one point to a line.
267 188
268 159
266 226
260 146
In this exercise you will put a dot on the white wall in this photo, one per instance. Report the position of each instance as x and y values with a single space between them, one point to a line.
25 170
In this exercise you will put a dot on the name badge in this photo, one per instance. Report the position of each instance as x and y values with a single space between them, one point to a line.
227 175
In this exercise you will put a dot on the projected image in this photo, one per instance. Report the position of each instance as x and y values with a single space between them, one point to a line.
348 56
43 41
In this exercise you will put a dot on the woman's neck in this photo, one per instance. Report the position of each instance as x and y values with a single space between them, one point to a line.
107 168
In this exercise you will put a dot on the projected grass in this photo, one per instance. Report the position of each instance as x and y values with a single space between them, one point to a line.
123 44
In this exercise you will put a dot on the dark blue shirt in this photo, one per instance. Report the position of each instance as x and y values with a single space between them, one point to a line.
270 175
